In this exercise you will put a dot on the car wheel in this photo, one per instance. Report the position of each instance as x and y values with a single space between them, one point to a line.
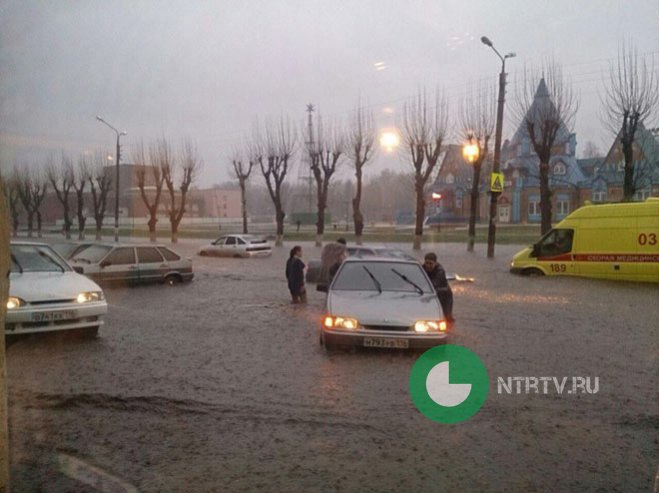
203 254
173 280
237 255
533 272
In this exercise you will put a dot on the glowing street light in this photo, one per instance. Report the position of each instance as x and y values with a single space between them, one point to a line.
389 140
470 151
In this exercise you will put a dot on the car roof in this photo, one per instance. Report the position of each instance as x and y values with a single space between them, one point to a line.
31 243
376 258
112 244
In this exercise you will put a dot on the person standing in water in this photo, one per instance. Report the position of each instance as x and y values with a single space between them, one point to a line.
295 275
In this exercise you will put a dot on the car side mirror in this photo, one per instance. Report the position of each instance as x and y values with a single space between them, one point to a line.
105 263
536 250
79 270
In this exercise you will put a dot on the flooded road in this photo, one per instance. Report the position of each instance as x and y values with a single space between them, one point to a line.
221 385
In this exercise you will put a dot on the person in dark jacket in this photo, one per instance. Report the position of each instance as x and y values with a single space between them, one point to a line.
437 276
295 275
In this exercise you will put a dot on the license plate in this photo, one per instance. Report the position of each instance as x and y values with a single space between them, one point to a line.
385 342
53 316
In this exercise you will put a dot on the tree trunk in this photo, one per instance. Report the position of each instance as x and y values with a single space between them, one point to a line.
14 227
243 205
30 223
357 216
67 224
99 236
545 199
174 223
420 216
152 229
4 293
628 181
473 208
281 215
320 222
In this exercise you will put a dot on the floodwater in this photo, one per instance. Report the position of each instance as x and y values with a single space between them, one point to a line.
221 385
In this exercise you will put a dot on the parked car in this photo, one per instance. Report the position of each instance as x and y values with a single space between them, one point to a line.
47 295
67 249
313 266
238 246
132 264
382 302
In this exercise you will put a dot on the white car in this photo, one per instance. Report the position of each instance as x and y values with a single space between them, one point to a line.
383 303
47 295
238 246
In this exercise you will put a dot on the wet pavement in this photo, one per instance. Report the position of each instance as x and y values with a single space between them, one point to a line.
221 385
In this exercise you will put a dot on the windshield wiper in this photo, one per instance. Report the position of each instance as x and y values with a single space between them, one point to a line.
20 268
407 280
375 281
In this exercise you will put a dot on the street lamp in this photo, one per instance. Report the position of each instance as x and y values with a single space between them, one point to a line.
116 192
491 230
470 151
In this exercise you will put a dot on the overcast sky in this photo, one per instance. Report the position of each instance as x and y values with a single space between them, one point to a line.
207 70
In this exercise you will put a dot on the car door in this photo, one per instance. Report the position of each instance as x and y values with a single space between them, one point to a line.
152 267
230 246
119 265
217 247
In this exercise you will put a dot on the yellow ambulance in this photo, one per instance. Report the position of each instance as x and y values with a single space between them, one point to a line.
607 241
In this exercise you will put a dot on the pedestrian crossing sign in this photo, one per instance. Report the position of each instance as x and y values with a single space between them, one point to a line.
496 182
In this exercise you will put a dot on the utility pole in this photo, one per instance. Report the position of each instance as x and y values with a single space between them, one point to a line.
496 165
116 183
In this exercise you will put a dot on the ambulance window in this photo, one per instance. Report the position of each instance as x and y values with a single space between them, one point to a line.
557 242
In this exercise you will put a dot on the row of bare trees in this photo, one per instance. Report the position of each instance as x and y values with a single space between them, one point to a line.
272 147
26 188
162 170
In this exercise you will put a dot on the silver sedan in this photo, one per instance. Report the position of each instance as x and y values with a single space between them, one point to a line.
238 246
382 302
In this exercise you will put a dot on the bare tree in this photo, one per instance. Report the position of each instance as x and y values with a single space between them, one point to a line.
10 188
546 106
631 98
425 125
325 150
274 148
477 121
360 149
242 168
150 197
61 178
189 164
23 184
80 178
591 150
100 183
39 189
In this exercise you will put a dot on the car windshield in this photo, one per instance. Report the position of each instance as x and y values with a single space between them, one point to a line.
92 254
36 258
391 276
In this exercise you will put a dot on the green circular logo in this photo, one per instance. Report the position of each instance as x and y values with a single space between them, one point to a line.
448 384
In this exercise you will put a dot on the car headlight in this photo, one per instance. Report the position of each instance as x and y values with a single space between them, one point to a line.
13 302
331 322
430 326
89 296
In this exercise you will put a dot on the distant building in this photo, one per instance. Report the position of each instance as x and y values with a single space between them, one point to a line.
572 181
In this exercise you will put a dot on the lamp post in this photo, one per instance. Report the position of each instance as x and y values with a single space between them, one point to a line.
116 191
471 152
491 230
